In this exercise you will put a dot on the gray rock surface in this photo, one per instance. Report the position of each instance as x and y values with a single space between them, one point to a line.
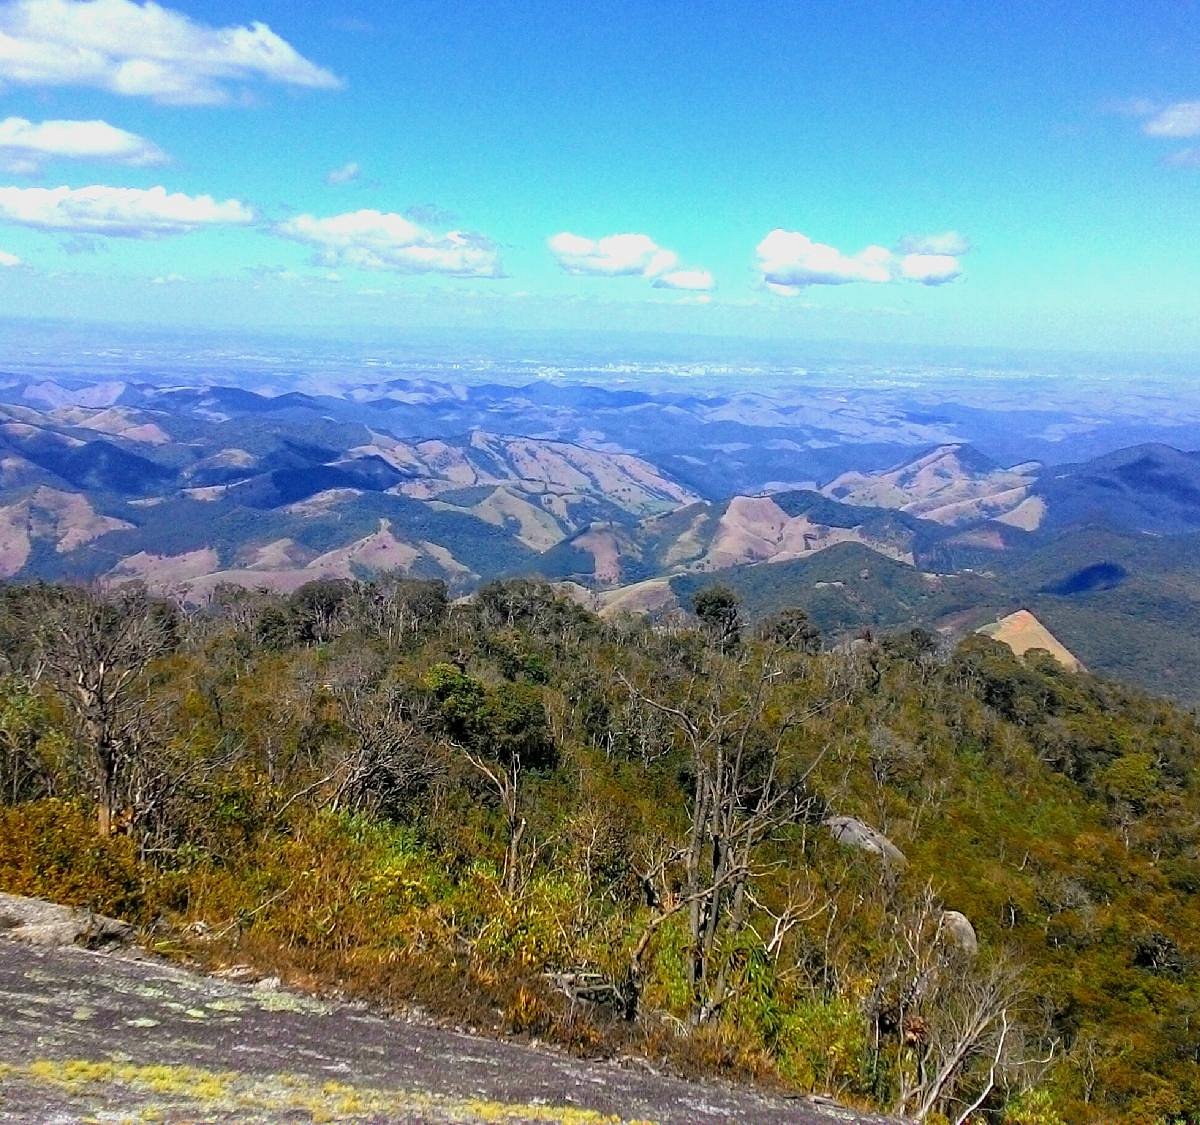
35 922
90 1036
854 833
958 929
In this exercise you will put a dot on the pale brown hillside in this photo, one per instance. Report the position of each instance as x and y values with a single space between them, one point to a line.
533 465
284 565
950 485
65 519
1023 632
755 529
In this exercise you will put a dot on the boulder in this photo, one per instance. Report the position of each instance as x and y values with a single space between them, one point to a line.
958 929
854 833
36 922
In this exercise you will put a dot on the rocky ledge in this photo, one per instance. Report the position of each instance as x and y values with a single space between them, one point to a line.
89 1034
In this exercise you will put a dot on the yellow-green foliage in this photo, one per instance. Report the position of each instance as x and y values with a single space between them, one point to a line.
194 1089
336 897
1033 1107
49 849
327 818
822 1045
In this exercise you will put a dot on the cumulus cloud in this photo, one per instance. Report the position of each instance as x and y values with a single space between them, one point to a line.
790 261
8 261
947 242
118 212
930 269
345 174
1174 121
25 146
782 290
377 240
144 50
696 281
789 258
617 255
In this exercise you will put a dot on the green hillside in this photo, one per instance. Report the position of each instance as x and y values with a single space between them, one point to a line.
851 587
920 878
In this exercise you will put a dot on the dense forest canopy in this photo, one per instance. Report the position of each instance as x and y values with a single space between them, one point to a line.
950 884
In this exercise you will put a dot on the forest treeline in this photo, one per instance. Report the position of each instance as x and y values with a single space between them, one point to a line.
941 882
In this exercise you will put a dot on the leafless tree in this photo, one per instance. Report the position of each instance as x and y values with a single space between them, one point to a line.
93 648
951 1022
394 608
505 779
746 786
388 760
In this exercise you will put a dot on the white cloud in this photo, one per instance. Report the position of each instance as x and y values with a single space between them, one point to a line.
782 290
1179 120
25 146
947 242
930 269
143 50
345 174
169 279
120 212
8 261
617 255
789 261
1131 107
787 257
1185 158
376 240
697 281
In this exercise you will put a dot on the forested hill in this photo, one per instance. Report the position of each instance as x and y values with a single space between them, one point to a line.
948 884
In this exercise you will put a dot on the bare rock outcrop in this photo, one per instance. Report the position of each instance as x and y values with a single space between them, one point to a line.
36 922
854 833
957 928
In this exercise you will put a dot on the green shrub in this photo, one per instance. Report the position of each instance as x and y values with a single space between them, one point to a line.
50 849
823 1046
1033 1107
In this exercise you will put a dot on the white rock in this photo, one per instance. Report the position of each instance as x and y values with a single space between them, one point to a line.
854 833
958 929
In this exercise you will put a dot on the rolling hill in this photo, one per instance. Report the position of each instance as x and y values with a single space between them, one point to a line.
744 530
951 485
188 486
221 484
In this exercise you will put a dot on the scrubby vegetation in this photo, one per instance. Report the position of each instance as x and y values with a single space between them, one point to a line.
945 883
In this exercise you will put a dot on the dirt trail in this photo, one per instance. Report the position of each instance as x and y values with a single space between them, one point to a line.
106 1037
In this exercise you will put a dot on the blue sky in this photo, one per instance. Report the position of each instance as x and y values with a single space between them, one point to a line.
988 174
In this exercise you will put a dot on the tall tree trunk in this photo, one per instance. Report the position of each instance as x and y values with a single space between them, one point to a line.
516 830
516 827
105 758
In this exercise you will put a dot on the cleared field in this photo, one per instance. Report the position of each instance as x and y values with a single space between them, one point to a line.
1022 632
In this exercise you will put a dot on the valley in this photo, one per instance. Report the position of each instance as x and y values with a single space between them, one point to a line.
859 504
612 565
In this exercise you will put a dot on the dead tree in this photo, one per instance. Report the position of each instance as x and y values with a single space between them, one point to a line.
395 609
747 784
93 648
387 760
950 1023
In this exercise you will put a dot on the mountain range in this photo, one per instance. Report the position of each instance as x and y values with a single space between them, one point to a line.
635 499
